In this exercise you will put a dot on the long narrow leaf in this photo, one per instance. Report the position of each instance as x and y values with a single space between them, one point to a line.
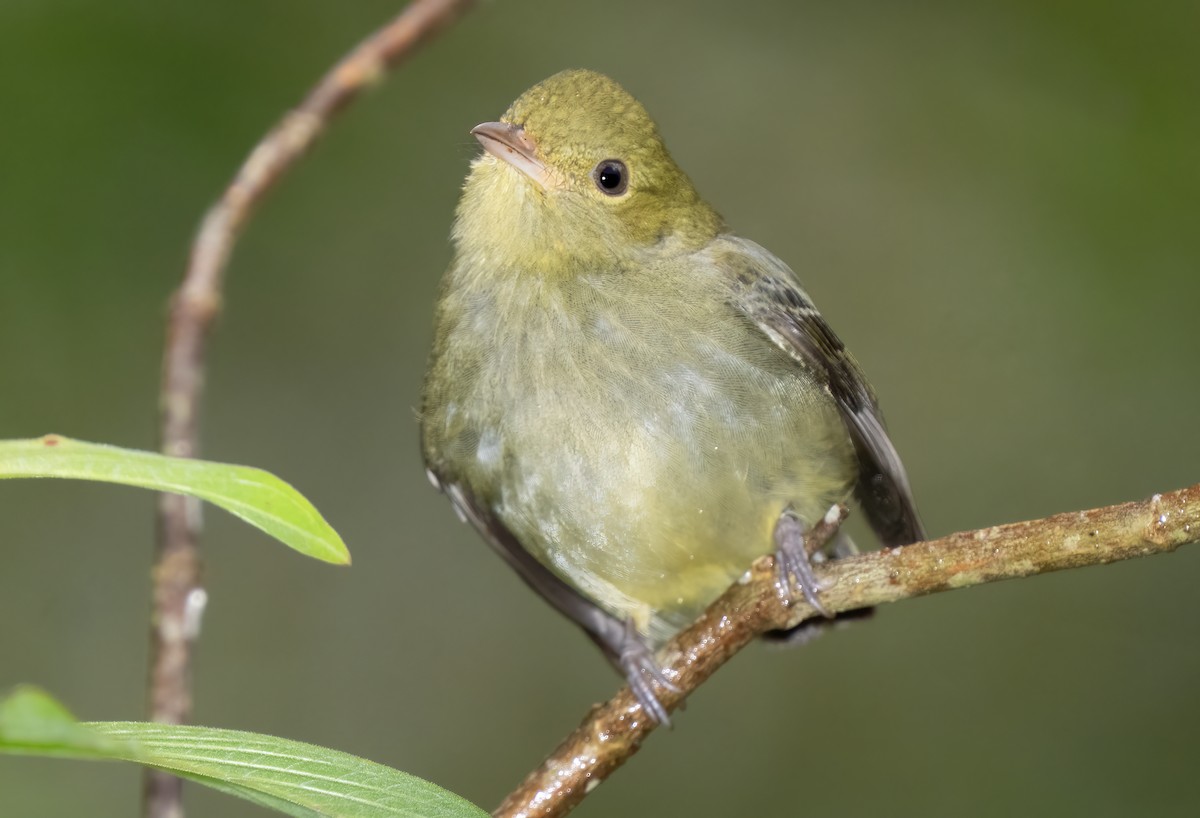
295 778
256 496
33 723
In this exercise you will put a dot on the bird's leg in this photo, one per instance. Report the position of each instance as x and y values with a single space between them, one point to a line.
794 562
619 639
809 629
641 669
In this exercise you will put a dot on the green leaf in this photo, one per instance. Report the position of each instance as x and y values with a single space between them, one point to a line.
34 723
258 497
317 779
290 776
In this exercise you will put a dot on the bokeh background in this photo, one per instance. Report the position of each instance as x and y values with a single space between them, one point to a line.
996 205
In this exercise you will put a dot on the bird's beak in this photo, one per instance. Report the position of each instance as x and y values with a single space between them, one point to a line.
511 144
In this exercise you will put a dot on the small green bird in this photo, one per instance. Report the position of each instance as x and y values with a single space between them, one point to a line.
628 401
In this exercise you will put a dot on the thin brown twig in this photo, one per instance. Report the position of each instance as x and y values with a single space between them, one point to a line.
614 731
177 595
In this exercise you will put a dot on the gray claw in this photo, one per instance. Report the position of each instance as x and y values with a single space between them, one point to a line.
792 561
642 672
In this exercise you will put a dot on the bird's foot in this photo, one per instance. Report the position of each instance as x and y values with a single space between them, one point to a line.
643 673
793 562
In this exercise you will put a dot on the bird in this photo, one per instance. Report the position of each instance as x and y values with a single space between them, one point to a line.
629 401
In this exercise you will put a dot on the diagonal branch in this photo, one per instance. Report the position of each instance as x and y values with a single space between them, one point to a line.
614 731
178 599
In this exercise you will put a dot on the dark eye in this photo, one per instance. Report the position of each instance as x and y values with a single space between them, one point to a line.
612 177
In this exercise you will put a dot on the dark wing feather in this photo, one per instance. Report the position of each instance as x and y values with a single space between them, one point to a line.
766 290
606 630
628 652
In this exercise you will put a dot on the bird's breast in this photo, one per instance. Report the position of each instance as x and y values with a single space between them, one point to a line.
638 441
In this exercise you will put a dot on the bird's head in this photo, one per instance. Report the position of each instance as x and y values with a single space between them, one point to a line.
575 173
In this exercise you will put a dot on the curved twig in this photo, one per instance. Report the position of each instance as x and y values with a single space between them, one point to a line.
614 731
177 596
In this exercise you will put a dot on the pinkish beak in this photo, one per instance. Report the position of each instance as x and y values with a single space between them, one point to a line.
511 144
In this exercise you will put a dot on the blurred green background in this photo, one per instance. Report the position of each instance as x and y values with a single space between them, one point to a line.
997 206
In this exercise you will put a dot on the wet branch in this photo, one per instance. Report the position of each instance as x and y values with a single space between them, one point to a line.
178 599
612 732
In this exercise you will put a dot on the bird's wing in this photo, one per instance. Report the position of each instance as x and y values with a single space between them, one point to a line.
631 654
606 630
768 293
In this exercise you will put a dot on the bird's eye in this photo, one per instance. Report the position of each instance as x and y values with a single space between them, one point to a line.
612 177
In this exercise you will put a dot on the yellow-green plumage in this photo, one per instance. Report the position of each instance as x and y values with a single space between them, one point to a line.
611 379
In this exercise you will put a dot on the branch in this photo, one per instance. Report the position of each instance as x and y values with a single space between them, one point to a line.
614 731
178 599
